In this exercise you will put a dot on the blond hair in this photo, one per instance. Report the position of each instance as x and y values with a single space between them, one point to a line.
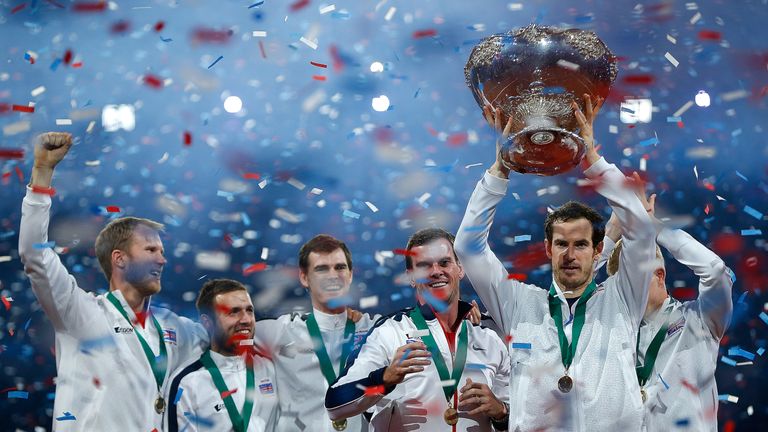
613 261
117 236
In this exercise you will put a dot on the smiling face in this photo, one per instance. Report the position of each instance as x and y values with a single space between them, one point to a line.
327 277
436 270
234 321
142 264
572 253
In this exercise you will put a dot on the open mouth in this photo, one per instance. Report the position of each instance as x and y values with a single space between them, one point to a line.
438 284
156 273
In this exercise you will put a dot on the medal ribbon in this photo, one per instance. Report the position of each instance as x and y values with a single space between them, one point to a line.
322 353
158 367
239 421
644 372
437 357
567 351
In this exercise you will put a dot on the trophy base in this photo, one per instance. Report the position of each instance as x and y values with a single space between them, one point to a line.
544 151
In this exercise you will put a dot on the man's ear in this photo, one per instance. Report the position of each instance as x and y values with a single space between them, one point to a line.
410 275
599 249
207 322
303 279
548 248
660 273
118 259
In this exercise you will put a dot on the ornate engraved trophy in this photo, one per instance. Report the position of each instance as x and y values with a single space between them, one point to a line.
532 75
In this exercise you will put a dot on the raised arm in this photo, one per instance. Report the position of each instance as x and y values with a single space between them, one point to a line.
639 233
484 270
55 289
715 278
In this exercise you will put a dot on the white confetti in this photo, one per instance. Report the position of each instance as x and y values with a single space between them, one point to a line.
259 33
369 302
297 184
90 127
683 109
371 206
390 13
671 39
643 164
447 383
63 122
38 91
565 64
326 9
5 258
696 172
423 198
613 129
473 165
16 128
695 18
93 163
309 43
264 253
418 333
733 95
263 184
316 191
671 59
515 6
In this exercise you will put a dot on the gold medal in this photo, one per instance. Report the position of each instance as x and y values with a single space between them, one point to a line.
643 394
339 425
159 405
565 384
451 416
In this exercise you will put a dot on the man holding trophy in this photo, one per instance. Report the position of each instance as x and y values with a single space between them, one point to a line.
573 345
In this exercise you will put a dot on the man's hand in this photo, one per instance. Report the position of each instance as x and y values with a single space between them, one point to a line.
649 203
475 316
409 358
478 398
493 117
354 314
50 149
586 130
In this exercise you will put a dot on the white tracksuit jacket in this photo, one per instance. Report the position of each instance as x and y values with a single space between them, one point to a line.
200 406
606 395
103 377
418 403
682 392
302 384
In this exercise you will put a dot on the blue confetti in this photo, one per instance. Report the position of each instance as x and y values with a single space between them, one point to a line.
764 317
55 64
662 381
47 245
476 366
742 176
684 422
751 232
18 395
736 351
520 238
246 219
166 40
178 396
67 416
649 142
728 361
439 305
259 3
521 345
752 212
674 119
26 325
339 302
215 61
760 351
405 355
199 421
415 95
351 214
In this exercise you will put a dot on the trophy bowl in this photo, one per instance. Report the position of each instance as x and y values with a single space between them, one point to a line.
531 75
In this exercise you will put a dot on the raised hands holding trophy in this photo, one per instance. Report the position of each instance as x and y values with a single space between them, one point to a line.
531 77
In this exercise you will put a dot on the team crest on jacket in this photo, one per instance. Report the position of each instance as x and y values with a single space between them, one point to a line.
169 335
676 326
266 387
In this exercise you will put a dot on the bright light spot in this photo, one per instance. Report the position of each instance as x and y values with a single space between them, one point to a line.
116 117
233 104
377 67
380 103
636 111
702 98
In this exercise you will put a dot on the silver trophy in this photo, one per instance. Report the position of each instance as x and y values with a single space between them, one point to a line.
532 75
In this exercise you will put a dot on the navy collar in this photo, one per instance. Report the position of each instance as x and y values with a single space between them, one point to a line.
429 315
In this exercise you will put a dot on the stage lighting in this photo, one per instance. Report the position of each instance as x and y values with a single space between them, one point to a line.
377 67
702 98
636 111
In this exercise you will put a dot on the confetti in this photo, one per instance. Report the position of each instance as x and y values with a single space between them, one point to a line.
671 59
18 395
419 34
308 43
371 206
521 345
215 61
259 33
253 268
751 232
66 417
63 122
24 108
752 212
351 214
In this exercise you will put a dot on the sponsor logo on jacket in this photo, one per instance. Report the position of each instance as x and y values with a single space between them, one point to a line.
123 330
169 335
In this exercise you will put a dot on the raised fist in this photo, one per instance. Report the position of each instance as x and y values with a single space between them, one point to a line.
50 148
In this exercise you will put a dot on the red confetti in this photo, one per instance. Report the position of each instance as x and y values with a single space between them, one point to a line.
405 252
6 303
418 34
517 276
684 293
457 139
253 268
6 177
4 108
338 62
374 390
89 6
251 176
208 35
24 108
690 387
730 426
121 26
710 35
299 5
113 209
261 48
641 79
222 309
18 8
187 138
77 65
10 153
159 26
318 77
706 209
19 174
320 65
508 338
228 392
153 81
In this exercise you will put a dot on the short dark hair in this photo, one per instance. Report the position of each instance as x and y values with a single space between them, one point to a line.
424 236
322 243
573 210
117 236
211 289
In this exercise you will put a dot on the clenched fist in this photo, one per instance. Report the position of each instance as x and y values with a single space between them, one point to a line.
50 149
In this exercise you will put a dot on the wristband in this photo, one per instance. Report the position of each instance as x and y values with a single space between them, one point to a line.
43 190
